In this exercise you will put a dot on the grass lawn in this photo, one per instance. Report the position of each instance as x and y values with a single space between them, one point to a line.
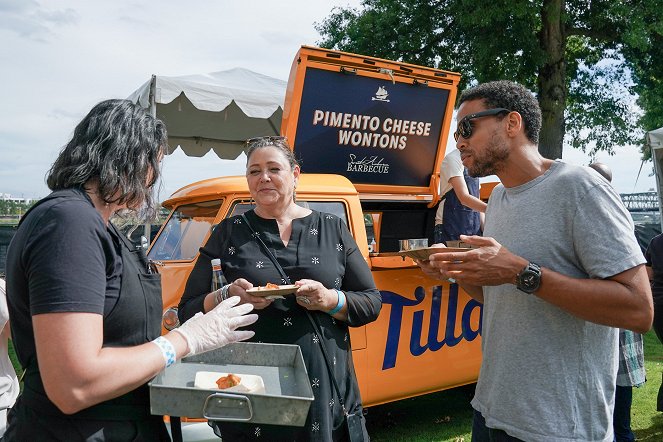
443 416
447 415
646 422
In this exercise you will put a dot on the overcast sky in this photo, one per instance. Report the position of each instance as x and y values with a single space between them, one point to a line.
59 58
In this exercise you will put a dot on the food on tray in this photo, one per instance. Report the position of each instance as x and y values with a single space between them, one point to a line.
242 383
231 380
268 286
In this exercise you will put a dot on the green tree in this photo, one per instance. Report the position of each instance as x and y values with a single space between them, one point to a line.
648 69
581 57
8 207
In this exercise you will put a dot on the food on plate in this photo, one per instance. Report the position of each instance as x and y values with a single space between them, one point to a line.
231 380
272 291
268 286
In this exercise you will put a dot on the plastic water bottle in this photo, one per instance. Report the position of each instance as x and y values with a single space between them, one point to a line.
217 274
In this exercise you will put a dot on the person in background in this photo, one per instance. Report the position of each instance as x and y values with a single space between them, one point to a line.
654 256
460 211
631 371
334 285
85 307
603 170
554 287
9 387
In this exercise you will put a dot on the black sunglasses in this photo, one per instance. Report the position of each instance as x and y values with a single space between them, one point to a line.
465 125
265 140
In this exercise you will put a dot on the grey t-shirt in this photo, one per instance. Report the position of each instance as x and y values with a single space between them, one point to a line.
547 375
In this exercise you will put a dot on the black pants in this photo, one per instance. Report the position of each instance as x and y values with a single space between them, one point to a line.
25 424
622 415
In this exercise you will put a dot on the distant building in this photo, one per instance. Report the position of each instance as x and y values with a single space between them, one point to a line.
20 200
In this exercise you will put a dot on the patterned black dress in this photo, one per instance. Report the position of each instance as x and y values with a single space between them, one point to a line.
320 248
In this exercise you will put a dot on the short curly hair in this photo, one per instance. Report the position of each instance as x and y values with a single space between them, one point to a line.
509 95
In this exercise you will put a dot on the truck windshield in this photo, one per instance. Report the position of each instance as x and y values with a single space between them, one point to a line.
185 231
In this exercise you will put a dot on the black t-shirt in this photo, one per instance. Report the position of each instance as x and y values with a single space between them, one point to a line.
654 256
320 248
63 258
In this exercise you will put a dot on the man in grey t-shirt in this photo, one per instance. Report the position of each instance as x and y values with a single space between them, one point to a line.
557 269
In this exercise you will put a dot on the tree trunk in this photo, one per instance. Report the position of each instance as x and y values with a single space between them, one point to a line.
552 79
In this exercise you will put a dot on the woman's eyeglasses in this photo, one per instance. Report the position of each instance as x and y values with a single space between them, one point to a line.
464 128
265 141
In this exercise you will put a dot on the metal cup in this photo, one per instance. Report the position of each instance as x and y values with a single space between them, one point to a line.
409 244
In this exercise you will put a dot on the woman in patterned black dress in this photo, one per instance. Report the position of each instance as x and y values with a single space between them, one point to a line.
319 255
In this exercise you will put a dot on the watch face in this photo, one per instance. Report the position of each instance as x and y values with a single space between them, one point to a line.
529 279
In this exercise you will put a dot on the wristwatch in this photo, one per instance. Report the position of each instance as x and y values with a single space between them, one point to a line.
529 278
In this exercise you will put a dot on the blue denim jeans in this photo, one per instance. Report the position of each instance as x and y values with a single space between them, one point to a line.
481 433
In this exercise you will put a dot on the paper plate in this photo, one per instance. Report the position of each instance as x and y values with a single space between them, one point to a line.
277 292
249 383
425 252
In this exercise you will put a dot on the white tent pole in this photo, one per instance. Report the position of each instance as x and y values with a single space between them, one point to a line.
658 172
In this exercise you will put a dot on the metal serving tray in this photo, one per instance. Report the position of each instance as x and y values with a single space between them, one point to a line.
286 401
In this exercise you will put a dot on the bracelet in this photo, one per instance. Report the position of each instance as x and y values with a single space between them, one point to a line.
340 303
222 295
167 350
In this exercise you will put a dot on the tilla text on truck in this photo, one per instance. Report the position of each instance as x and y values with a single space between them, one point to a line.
399 303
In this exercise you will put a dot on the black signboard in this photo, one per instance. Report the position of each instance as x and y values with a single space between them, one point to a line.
369 130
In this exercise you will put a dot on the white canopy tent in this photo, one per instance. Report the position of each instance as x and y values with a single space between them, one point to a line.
217 111
655 142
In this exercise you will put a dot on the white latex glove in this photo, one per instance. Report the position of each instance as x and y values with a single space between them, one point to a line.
216 328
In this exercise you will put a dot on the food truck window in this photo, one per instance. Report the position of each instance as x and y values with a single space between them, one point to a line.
334 207
240 207
399 224
372 221
185 231
393 221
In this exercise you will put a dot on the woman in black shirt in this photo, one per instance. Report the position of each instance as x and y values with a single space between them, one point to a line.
318 255
85 311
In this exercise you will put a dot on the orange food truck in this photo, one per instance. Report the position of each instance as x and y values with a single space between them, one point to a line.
370 135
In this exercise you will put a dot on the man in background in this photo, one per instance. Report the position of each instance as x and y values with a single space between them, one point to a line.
654 256
460 210
631 372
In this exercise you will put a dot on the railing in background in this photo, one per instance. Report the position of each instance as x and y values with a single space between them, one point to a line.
640 202
6 233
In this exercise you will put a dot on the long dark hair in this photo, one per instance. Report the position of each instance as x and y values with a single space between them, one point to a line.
118 144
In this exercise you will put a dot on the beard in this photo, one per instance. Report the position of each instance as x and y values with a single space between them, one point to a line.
493 157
